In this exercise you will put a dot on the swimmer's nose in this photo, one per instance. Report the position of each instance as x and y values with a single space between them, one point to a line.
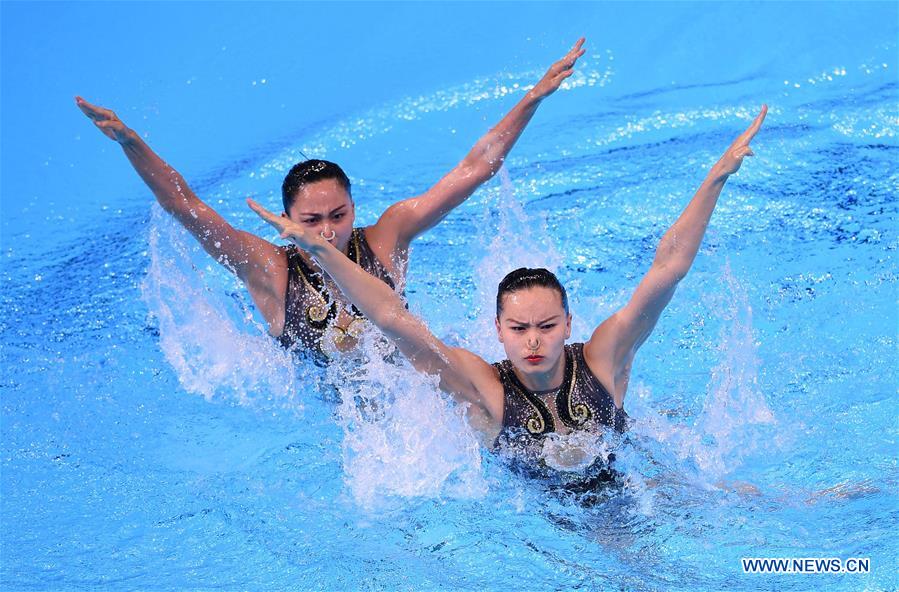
328 233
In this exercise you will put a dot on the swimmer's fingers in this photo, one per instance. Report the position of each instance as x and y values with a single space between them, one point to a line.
278 222
746 137
741 152
110 129
566 64
287 228
572 56
732 160
105 120
94 112
559 71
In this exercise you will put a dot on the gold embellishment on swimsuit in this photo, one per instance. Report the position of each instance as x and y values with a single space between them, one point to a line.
316 313
572 414
580 413
319 312
535 425
542 420
337 335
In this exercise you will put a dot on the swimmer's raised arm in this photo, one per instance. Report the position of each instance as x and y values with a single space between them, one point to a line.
461 372
412 217
249 256
613 345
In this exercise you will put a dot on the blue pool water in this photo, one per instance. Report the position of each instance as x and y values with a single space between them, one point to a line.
154 438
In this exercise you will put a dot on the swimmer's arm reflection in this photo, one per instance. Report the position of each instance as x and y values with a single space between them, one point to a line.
611 349
463 374
414 216
251 258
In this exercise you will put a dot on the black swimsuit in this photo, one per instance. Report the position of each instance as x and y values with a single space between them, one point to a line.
310 310
582 403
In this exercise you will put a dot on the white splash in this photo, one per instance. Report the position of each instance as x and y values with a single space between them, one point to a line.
403 438
517 242
574 451
212 354
727 429
735 402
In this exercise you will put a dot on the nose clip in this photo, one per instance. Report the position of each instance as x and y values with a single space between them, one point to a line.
329 238
535 346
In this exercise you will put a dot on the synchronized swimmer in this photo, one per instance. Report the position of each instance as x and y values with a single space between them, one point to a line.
315 293
544 386
301 308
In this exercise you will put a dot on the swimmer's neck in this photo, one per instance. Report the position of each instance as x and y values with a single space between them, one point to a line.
543 381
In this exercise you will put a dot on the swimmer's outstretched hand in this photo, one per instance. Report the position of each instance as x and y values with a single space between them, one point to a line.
106 121
733 158
558 72
287 228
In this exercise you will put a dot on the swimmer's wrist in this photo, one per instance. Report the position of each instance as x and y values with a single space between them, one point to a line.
128 138
718 174
316 248
531 98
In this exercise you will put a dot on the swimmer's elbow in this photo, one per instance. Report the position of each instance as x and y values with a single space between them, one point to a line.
480 169
394 320
670 272
679 272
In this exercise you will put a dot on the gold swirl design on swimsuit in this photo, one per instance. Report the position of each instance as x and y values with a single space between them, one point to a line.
316 312
579 412
319 311
535 424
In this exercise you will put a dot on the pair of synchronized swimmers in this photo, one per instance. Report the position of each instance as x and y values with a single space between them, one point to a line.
316 293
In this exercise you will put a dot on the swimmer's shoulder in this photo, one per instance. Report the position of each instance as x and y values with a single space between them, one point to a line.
384 244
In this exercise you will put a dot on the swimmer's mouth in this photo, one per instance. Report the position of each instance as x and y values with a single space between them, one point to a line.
534 359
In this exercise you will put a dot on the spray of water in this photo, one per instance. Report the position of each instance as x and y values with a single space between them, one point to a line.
734 404
215 347
517 242
402 437
733 420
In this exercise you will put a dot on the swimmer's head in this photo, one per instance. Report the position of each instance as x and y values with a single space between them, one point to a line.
532 319
526 277
316 194
311 171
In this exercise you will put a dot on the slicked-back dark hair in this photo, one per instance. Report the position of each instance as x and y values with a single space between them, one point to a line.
310 171
526 277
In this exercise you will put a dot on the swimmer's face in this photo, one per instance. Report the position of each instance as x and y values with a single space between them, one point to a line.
326 208
533 327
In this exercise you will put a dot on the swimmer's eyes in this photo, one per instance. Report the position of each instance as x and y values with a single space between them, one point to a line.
545 327
316 220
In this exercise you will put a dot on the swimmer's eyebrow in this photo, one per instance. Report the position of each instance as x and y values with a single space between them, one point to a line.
313 214
543 322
